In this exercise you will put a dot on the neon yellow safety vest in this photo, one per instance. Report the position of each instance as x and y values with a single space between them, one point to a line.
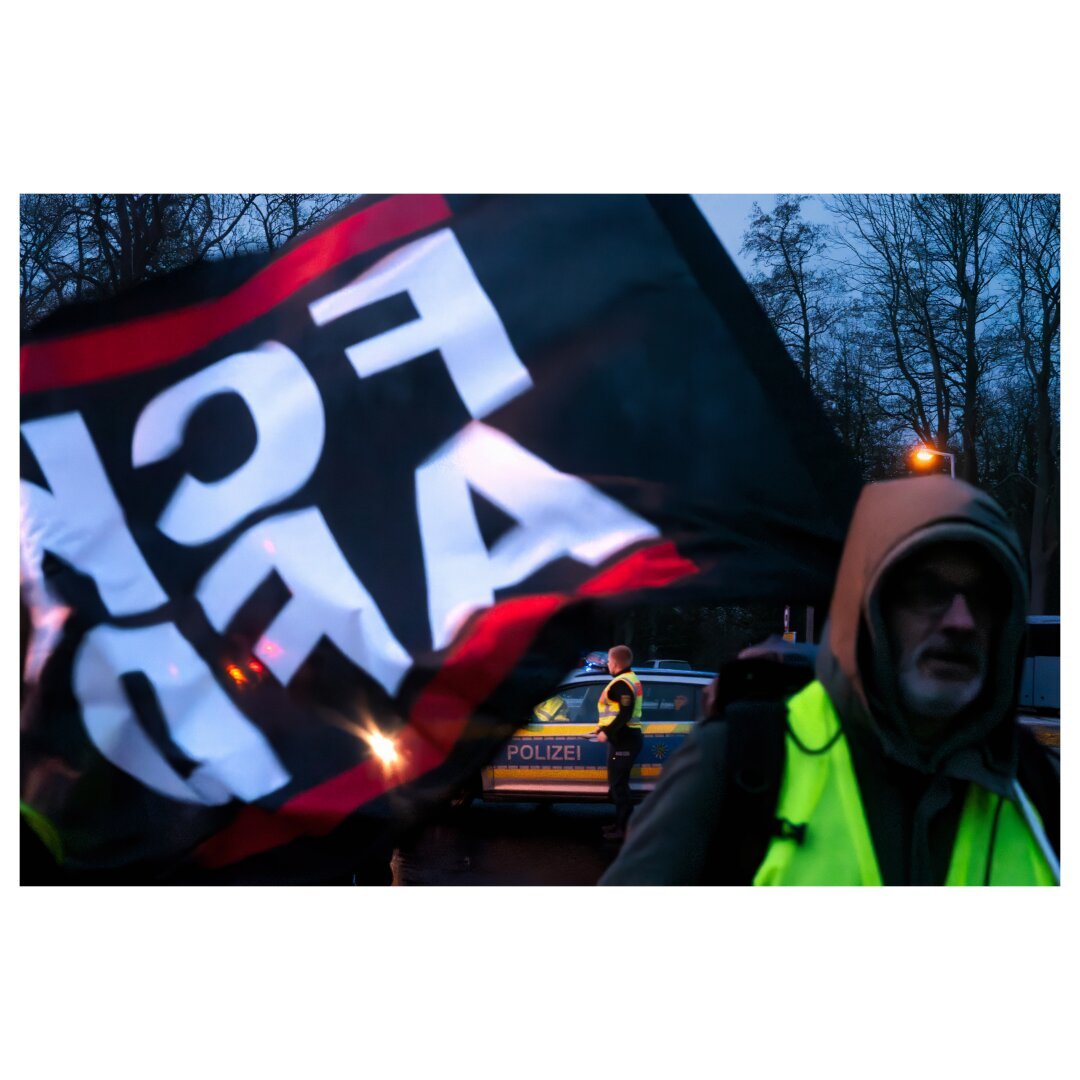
820 791
554 708
608 710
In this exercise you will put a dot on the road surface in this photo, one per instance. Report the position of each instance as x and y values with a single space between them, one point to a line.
509 844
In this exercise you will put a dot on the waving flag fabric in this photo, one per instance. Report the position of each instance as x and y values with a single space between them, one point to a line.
303 538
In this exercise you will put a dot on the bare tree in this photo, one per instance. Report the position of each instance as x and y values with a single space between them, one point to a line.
793 287
927 264
46 255
81 247
887 270
959 260
853 388
1033 246
279 218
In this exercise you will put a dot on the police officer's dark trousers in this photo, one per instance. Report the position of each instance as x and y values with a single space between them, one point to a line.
623 751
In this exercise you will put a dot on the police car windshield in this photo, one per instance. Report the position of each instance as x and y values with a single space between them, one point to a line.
660 702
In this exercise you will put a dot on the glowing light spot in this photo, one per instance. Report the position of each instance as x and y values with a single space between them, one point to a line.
924 456
383 748
255 666
174 671
236 674
268 546
270 648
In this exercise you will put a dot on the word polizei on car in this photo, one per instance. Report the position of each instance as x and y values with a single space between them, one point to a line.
557 757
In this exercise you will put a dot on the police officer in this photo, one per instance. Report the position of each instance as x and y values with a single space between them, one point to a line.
619 716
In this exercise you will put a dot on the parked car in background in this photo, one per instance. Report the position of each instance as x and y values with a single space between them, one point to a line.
557 757
1040 683
1040 680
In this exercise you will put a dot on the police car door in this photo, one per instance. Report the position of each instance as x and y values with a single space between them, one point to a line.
667 713
556 755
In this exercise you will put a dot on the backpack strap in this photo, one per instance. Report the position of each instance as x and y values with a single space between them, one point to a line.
751 700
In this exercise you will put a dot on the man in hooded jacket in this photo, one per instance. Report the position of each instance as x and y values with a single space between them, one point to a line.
902 762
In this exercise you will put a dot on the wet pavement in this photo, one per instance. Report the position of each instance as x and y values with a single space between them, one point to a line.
509 844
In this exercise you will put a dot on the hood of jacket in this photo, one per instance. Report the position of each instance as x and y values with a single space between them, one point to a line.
892 521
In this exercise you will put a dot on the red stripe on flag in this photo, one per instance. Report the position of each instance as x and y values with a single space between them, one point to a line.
500 637
470 674
139 344
646 569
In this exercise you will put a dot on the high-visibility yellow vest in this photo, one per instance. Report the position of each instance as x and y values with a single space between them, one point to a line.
551 709
608 710
819 790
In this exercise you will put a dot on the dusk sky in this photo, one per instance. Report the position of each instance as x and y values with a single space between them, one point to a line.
729 215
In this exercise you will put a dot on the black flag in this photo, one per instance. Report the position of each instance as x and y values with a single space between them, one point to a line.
304 537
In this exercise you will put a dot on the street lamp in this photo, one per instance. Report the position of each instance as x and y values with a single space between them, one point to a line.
926 454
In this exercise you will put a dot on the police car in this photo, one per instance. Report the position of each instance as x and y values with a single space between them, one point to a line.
557 757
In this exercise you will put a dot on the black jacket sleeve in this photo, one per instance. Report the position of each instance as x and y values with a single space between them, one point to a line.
672 829
710 818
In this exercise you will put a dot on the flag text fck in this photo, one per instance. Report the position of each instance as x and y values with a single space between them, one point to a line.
79 519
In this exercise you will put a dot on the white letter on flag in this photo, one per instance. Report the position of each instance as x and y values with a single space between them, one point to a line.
290 426
328 599
456 318
80 520
559 514
235 758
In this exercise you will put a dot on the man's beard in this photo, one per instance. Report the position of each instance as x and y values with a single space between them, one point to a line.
936 698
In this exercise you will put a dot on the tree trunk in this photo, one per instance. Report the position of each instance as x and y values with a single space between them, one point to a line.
1045 526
